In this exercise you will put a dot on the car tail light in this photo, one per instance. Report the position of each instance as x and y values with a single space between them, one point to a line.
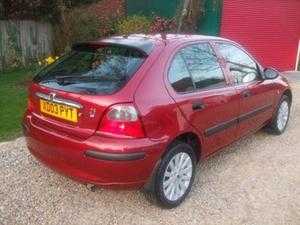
29 104
122 120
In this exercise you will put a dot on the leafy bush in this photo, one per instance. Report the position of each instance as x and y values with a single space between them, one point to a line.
83 26
160 24
13 55
133 24
12 50
142 24
78 26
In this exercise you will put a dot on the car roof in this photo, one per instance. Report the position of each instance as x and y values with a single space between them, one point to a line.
146 42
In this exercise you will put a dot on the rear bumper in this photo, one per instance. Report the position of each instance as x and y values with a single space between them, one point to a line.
96 160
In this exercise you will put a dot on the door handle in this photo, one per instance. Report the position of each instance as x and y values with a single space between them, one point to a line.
198 106
246 94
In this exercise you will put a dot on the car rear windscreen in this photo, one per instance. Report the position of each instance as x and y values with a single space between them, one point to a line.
92 70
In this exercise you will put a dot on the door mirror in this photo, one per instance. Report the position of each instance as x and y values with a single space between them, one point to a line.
270 73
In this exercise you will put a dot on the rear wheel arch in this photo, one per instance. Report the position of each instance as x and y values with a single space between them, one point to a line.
179 163
189 138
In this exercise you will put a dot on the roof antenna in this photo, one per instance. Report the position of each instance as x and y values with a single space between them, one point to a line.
163 35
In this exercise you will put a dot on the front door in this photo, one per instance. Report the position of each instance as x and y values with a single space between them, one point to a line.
204 95
256 94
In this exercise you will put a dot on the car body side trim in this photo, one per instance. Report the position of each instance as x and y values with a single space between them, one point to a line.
225 125
220 127
115 156
253 113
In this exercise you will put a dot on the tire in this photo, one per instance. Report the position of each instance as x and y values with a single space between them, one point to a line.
280 120
171 176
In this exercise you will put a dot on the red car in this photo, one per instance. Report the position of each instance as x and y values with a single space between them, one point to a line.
143 110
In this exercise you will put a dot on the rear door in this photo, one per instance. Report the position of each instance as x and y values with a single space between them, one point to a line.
204 95
256 94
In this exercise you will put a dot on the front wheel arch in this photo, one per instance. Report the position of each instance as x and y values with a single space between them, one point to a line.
272 127
288 93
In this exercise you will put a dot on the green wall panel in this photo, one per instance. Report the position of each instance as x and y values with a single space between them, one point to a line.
165 8
210 22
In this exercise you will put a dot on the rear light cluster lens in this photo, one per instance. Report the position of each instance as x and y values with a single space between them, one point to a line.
122 120
29 104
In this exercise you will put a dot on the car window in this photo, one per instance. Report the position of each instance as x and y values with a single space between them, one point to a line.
241 66
203 66
179 76
92 70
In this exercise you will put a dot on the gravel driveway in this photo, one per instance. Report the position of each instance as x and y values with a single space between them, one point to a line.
254 181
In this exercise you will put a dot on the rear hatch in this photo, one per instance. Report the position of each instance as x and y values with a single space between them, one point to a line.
71 95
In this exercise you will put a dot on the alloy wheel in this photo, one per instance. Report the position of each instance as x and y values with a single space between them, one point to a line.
177 176
283 115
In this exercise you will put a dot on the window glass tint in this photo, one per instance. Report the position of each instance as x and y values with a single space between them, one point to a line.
179 76
203 66
241 66
92 70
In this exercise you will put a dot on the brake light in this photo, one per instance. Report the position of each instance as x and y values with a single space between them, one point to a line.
122 120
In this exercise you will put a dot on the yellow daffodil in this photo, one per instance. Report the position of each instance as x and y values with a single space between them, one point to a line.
49 60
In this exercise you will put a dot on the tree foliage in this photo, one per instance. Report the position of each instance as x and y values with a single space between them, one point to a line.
133 24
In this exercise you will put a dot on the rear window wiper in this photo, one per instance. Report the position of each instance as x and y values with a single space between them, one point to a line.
65 80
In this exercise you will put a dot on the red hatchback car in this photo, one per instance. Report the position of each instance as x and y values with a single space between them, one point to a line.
142 110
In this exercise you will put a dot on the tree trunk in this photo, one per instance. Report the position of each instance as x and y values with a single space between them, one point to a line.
183 14
189 17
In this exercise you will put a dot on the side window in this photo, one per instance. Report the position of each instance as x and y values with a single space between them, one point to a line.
203 66
179 76
241 66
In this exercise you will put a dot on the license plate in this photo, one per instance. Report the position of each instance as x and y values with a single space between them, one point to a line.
59 110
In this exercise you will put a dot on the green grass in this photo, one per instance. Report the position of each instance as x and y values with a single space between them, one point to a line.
13 100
